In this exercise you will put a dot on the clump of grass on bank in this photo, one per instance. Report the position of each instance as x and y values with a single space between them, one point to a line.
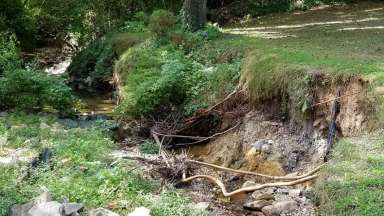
352 183
80 170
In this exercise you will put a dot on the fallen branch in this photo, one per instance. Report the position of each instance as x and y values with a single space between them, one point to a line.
259 174
210 137
247 189
225 99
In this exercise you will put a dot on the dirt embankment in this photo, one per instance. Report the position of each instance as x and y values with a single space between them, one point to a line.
273 141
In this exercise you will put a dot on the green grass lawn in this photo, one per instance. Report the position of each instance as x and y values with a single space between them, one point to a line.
342 39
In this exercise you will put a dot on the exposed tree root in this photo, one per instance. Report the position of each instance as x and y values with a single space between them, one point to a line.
259 174
247 189
176 168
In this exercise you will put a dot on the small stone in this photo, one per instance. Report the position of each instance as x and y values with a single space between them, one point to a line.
280 207
294 193
233 178
42 198
264 191
269 211
44 125
201 206
267 149
141 211
257 205
283 191
264 197
71 208
249 184
102 212
52 208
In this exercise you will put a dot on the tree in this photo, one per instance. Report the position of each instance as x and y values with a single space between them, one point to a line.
194 14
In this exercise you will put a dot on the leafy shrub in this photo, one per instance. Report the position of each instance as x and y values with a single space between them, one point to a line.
160 80
139 23
185 40
161 22
9 55
15 18
155 79
211 32
29 89
149 147
92 69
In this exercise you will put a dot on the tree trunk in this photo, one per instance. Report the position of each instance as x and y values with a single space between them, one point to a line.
194 14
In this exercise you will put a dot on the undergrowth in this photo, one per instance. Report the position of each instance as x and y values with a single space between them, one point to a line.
80 169
170 73
92 68
28 88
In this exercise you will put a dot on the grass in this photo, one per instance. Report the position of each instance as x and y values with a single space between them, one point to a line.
80 170
352 183
316 40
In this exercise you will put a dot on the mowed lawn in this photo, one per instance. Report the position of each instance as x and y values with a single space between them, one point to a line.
342 39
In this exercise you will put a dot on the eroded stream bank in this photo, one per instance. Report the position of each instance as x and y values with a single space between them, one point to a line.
268 137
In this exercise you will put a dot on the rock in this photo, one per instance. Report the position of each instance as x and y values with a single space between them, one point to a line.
201 206
102 212
21 210
279 208
257 205
141 211
267 149
294 193
249 184
283 190
42 198
269 211
44 125
72 208
264 191
52 208
264 197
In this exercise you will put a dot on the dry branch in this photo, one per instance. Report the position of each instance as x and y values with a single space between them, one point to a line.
210 137
247 189
259 174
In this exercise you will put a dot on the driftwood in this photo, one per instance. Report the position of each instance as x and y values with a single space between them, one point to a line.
259 174
248 189
177 168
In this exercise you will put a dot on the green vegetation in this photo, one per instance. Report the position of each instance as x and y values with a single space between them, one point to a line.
149 147
352 183
92 68
172 76
27 88
162 22
80 169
